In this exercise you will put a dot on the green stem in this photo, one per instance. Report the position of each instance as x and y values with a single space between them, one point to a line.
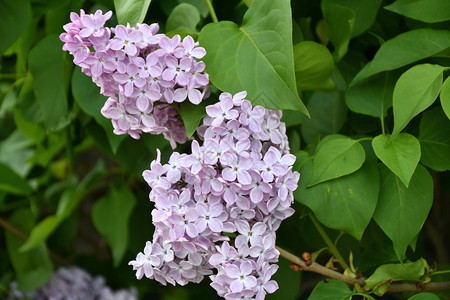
331 246
382 125
211 11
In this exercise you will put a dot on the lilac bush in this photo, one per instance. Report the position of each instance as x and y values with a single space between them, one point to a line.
141 72
217 209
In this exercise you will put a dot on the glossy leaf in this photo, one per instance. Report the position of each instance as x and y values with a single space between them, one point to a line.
314 65
335 158
401 155
372 96
256 57
434 138
14 17
430 11
395 272
328 114
331 289
404 49
346 203
50 83
365 12
401 210
184 16
414 91
131 11
445 97
13 183
110 215
33 268
88 96
339 23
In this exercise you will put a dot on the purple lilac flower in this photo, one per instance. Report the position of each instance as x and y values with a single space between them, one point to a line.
223 186
141 70
73 283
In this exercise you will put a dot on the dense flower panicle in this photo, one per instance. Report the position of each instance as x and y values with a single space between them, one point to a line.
238 182
141 72
74 283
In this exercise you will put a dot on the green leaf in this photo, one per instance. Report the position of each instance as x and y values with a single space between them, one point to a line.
131 11
365 12
314 65
41 232
414 91
430 11
328 114
401 210
13 183
88 96
401 155
424 296
434 138
33 268
184 16
336 157
331 289
256 57
396 272
14 17
445 97
192 115
50 85
339 23
110 215
404 49
372 96
346 203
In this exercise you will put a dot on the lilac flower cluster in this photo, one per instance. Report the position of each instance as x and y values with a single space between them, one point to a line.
74 283
219 207
141 72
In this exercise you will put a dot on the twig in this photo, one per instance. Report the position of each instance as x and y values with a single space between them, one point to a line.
11 228
393 288
412 287
331 246
318 268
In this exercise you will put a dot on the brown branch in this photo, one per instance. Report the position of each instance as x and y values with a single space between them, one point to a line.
412 287
14 230
393 288
318 268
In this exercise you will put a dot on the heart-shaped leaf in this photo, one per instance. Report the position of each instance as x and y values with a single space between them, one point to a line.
445 97
414 91
336 157
256 57
430 11
434 137
401 155
404 49
401 211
